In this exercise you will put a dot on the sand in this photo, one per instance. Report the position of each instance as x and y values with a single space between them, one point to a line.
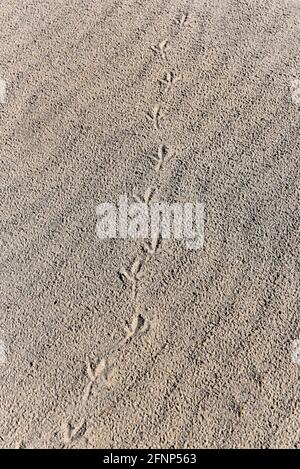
201 355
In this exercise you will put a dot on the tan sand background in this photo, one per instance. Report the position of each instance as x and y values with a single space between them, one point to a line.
208 361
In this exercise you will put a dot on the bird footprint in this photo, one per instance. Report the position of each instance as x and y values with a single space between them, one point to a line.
151 247
148 194
100 371
71 433
182 20
161 49
138 323
134 275
164 154
169 80
155 116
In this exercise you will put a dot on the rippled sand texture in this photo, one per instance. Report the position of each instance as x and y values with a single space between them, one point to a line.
190 348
